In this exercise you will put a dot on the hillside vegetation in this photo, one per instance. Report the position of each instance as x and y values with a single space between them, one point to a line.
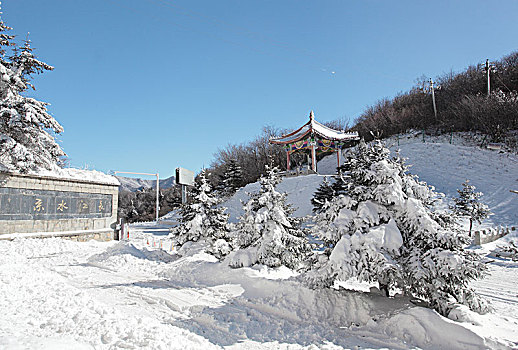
462 104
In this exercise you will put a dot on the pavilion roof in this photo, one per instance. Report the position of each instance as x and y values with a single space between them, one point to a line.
312 127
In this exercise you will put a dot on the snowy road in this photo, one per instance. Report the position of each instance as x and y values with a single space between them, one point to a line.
62 294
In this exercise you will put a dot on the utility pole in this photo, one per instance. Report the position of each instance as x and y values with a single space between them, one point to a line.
432 89
488 68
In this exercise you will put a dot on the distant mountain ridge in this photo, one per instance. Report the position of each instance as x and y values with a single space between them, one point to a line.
134 184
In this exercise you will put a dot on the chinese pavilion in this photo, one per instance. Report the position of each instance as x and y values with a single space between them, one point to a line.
315 137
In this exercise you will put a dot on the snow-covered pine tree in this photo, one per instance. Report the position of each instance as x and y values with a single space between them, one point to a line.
322 195
384 230
328 190
267 234
362 239
232 178
26 127
468 204
202 219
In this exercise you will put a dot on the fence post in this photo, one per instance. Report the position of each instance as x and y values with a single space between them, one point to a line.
122 230
476 240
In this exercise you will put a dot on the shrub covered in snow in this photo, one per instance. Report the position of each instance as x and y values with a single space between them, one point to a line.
202 219
509 251
26 127
468 204
267 234
384 230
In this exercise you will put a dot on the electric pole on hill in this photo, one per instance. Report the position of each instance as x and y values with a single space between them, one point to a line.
488 68
431 88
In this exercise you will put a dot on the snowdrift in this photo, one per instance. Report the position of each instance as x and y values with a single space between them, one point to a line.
126 295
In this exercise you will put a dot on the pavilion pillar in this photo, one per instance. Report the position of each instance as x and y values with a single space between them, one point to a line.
288 160
313 159
338 156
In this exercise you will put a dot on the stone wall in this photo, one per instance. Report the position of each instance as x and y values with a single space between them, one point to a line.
39 205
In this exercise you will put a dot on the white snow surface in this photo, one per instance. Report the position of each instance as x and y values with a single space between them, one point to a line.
78 174
139 294
446 166
300 190
59 294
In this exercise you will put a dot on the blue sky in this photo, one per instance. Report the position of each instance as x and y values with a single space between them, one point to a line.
149 85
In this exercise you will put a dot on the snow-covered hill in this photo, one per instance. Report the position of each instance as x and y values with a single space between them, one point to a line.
300 191
441 164
134 184
446 166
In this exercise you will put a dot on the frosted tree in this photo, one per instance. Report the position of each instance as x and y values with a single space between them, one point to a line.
383 230
468 204
27 130
203 220
361 237
267 234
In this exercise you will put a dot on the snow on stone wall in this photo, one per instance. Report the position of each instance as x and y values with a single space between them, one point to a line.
40 205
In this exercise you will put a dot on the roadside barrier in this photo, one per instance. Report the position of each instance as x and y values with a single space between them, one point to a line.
491 235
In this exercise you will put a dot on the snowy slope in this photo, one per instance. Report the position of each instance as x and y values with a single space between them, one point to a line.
58 294
446 166
442 165
300 191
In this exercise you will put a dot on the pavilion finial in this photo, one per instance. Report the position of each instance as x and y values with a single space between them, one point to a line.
311 115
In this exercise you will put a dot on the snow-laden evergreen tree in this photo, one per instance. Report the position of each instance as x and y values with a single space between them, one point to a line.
267 233
26 128
232 178
468 204
203 220
330 189
384 230
324 194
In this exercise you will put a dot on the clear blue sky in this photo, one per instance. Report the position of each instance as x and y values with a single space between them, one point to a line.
149 85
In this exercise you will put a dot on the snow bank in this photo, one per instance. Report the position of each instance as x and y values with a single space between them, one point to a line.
427 329
78 174
49 303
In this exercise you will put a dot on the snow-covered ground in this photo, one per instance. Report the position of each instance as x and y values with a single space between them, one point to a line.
59 294
446 166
